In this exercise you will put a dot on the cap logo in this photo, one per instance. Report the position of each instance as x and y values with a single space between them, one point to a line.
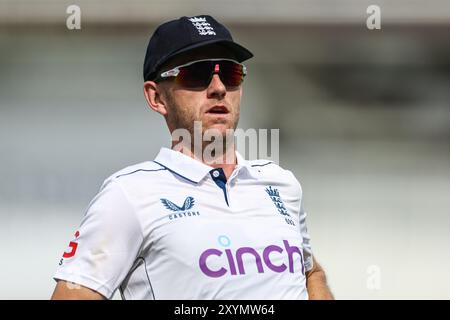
203 27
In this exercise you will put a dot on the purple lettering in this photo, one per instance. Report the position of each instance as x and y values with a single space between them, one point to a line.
269 263
240 252
290 251
206 270
237 257
231 261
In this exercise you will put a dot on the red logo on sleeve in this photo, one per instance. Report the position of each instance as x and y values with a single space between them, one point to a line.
73 245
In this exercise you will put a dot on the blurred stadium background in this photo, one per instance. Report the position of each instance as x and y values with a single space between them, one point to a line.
364 120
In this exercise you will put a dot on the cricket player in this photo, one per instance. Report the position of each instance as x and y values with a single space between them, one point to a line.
193 224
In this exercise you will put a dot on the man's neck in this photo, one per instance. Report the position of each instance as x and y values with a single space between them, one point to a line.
227 161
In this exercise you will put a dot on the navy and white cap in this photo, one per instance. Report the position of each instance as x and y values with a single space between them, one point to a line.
184 34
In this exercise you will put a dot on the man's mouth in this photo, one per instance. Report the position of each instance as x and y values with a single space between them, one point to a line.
218 110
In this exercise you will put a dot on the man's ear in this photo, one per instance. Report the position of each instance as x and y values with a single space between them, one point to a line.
152 93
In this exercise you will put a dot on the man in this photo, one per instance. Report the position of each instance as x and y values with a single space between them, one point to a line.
193 224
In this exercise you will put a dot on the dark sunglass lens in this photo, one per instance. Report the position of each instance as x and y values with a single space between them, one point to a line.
196 75
231 74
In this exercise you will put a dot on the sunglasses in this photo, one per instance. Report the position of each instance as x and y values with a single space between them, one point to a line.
198 74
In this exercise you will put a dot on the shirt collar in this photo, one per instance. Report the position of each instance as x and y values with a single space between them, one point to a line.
242 163
192 169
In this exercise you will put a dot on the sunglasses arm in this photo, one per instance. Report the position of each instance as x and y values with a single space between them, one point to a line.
170 73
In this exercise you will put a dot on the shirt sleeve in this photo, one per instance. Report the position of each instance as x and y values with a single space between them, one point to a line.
106 244
307 251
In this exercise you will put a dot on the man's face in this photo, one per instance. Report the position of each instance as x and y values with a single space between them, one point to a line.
216 106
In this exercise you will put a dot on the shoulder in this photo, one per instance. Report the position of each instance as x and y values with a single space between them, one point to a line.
269 170
143 168
136 172
131 183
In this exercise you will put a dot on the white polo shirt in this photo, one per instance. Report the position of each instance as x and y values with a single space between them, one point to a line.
174 228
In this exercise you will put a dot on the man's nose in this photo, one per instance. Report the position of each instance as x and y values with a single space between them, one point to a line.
216 87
